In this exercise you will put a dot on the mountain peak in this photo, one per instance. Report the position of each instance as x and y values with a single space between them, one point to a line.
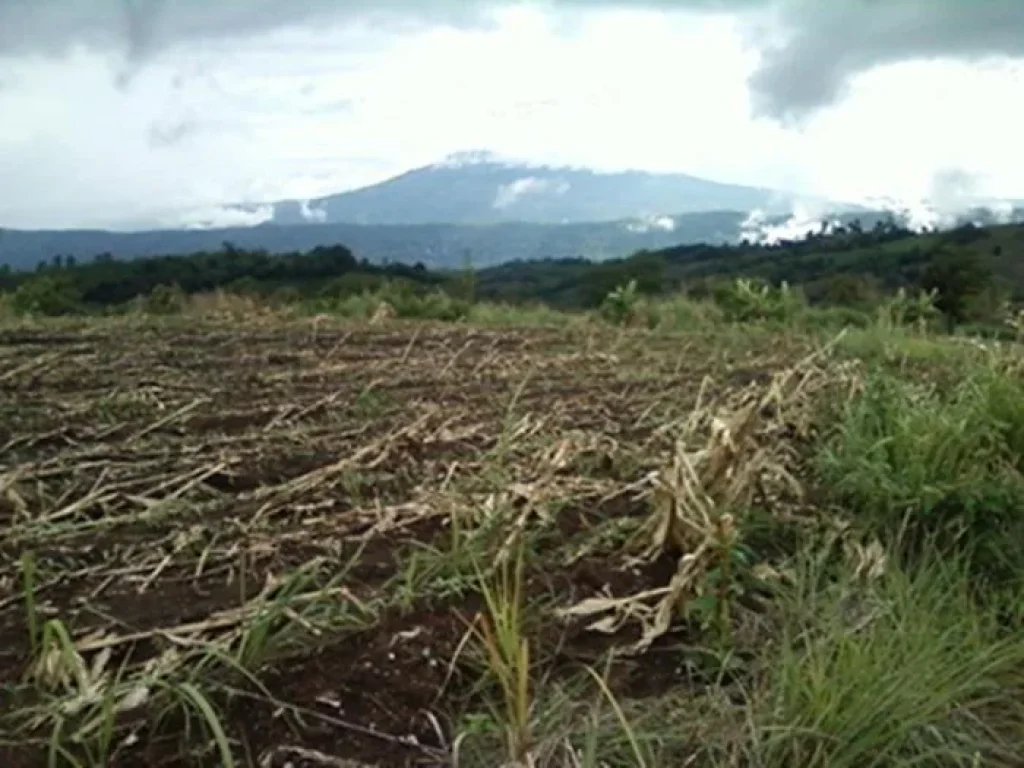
481 187
473 157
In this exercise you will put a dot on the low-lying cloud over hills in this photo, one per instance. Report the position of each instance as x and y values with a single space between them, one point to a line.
481 188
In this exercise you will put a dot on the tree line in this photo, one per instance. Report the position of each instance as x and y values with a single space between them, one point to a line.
972 270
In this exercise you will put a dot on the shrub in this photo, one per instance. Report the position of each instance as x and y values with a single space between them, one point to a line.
620 304
924 462
746 300
166 300
48 295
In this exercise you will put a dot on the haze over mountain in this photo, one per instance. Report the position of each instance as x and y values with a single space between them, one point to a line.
494 211
471 203
479 187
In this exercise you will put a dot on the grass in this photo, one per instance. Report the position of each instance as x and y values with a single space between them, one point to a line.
904 670
916 460
520 538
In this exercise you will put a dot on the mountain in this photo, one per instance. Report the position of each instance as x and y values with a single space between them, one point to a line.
435 245
480 188
438 245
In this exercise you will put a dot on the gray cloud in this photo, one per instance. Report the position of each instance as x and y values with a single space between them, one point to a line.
142 27
825 42
828 42
170 134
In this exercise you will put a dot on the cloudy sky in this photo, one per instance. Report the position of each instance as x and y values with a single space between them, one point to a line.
129 113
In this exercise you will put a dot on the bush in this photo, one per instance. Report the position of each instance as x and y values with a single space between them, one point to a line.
48 295
166 300
745 300
832 318
620 304
679 313
407 299
927 463
905 310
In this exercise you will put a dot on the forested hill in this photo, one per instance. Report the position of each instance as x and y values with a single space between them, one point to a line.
846 266
880 259
435 245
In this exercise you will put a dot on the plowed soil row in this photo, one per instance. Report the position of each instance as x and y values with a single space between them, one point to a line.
161 476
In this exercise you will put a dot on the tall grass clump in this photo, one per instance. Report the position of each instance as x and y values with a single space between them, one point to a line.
406 301
681 313
500 314
919 460
903 668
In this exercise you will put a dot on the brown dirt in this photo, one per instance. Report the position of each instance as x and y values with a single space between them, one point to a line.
197 453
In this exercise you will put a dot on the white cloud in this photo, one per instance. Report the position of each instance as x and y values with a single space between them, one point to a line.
666 223
508 194
309 213
216 217
300 112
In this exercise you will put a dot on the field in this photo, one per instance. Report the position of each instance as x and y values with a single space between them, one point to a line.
316 543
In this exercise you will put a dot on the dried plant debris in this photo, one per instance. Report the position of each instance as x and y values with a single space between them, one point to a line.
698 501
214 528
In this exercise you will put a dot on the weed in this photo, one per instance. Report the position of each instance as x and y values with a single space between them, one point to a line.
915 462
904 669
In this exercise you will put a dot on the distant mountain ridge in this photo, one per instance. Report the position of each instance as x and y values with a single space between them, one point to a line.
434 245
439 245
493 210
481 188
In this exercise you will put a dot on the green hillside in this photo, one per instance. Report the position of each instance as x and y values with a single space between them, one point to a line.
849 267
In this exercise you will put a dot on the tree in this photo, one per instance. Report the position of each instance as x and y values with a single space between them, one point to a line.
957 276
849 290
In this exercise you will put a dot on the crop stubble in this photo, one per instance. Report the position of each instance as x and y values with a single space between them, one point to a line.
165 475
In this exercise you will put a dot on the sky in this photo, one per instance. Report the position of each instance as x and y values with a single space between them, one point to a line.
140 113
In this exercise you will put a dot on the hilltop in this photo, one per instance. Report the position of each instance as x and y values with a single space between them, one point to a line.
482 188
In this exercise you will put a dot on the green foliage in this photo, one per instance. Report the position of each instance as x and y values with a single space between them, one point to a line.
645 271
958 278
48 295
850 290
247 285
748 300
166 300
930 462
674 313
503 314
407 299
905 310
351 284
620 304
848 270
902 670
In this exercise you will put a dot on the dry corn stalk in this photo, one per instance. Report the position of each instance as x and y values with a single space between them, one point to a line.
696 497
383 312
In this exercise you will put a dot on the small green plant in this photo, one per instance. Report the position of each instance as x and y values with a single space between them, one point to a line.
500 634
620 304
905 310
166 300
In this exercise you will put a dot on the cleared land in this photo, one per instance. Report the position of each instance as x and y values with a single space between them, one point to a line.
273 542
